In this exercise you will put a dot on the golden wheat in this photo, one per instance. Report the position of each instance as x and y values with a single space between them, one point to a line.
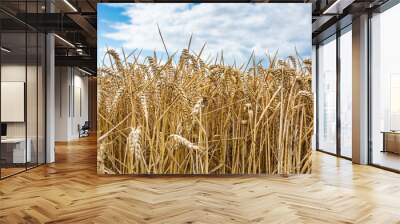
200 118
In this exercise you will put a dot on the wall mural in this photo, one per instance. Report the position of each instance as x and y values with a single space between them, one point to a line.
204 89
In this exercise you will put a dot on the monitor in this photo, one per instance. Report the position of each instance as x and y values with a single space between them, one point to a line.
3 129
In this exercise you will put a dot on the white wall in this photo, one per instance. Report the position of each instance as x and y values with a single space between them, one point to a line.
11 73
79 117
16 73
62 82
35 123
70 81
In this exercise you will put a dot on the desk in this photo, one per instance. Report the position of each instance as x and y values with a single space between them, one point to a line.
15 148
391 141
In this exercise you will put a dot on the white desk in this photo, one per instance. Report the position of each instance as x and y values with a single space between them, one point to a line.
18 149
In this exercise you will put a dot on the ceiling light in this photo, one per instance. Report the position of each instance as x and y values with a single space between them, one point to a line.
86 72
337 7
70 5
65 41
79 51
5 50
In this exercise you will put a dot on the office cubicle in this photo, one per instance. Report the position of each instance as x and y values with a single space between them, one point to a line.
22 77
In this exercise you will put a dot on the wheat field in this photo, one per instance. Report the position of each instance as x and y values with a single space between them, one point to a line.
191 116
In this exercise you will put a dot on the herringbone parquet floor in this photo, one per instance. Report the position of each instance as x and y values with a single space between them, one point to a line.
69 191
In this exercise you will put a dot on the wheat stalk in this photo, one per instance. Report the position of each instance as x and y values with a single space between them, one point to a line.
183 141
204 116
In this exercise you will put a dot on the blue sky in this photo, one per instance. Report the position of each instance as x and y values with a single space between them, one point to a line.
234 29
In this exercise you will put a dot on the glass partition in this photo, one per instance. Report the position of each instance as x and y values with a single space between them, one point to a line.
13 95
22 77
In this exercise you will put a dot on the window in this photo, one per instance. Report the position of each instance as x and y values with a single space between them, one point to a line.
346 92
385 89
327 96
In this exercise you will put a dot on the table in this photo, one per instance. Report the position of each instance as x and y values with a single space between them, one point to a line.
13 150
391 141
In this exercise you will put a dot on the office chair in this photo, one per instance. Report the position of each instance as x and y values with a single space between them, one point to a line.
84 130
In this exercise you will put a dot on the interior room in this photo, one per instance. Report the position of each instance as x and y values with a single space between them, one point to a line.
105 121
23 96
384 89
25 64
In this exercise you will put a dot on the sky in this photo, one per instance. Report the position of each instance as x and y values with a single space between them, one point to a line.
234 29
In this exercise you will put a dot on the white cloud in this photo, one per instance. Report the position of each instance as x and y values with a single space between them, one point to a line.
235 29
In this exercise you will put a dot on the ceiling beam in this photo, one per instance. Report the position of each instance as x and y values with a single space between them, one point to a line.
338 6
78 61
320 22
84 24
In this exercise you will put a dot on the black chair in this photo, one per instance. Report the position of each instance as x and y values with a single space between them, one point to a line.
84 130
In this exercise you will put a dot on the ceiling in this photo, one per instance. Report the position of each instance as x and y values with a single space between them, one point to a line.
75 22
331 15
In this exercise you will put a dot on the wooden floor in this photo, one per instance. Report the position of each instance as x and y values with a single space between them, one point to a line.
387 159
5 172
69 191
